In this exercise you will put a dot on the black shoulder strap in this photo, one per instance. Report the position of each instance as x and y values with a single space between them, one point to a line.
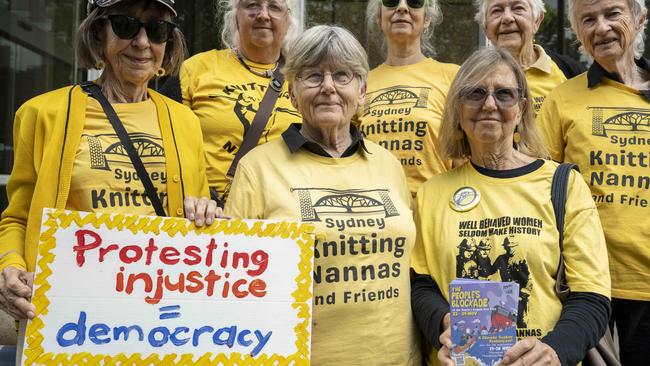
94 90
264 111
559 188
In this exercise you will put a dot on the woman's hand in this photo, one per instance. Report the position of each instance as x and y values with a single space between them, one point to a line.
531 352
202 210
15 292
444 353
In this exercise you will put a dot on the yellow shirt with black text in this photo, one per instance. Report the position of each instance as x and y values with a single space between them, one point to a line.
103 176
510 235
605 130
360 207
226 96
403 111
542 77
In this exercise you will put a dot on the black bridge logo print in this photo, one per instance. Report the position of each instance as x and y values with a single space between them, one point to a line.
148 147
607 120
318 202
397 96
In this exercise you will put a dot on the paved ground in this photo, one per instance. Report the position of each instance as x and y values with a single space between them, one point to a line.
7 329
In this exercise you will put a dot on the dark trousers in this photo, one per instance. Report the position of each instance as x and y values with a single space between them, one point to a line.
632 320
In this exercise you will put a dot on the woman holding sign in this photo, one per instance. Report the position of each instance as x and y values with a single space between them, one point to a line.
492 218
108 146
355 194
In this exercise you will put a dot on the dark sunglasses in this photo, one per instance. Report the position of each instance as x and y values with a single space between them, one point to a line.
503 97
413 4
128 27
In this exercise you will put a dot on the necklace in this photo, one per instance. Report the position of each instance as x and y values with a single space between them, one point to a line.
265 74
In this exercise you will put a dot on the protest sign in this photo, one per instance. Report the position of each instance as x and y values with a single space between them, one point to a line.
128 289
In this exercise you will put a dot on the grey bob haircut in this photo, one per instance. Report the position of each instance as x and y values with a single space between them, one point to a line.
326 43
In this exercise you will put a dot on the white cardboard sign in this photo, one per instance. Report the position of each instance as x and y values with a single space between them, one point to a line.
116 289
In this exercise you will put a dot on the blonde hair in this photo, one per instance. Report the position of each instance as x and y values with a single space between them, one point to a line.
431 12
472 72
89 43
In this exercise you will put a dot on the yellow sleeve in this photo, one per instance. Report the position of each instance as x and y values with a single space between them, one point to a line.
245 198
418 255
20 190
550 124
185 80
585 251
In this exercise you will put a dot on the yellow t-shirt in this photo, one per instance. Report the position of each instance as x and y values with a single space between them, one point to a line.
605 131
403 112
360 207
510 235
103 177
542 77
225 96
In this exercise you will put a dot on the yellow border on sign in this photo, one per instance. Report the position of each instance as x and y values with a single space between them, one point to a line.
302 233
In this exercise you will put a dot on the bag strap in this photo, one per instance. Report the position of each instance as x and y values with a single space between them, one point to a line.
559 187
96 92
261 118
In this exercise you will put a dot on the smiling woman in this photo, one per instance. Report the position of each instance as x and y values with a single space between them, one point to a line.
410 79
69 154
225 87
512 24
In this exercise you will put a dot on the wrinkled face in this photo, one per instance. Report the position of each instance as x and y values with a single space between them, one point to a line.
403 22
331 103
606 28
510 24
262 24
490 124
136 60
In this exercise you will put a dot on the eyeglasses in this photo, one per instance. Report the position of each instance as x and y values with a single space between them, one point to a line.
413 4
274 9
314 79
128 27
503 97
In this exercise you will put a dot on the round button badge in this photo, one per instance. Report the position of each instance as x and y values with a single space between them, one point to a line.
465 199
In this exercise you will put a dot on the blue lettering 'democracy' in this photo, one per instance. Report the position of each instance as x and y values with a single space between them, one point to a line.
77 333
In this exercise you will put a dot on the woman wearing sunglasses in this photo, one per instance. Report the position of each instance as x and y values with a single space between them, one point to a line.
498 206
225 88
512 25
70 155
406 93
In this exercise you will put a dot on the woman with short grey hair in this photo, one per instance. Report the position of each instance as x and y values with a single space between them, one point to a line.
512 25
599 121
225 88
406 93
354 192
506 177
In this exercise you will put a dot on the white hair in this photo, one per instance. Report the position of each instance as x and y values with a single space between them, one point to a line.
638 10
230 34
536 6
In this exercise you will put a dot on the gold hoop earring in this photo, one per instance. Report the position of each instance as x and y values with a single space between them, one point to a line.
516 137
99 65
160 72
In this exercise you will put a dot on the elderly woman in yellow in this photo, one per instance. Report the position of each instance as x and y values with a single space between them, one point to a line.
71 144
599 121
488 120
406 94
512 24
355 194
238 92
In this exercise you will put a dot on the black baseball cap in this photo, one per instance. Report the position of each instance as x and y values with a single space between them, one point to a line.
106 3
